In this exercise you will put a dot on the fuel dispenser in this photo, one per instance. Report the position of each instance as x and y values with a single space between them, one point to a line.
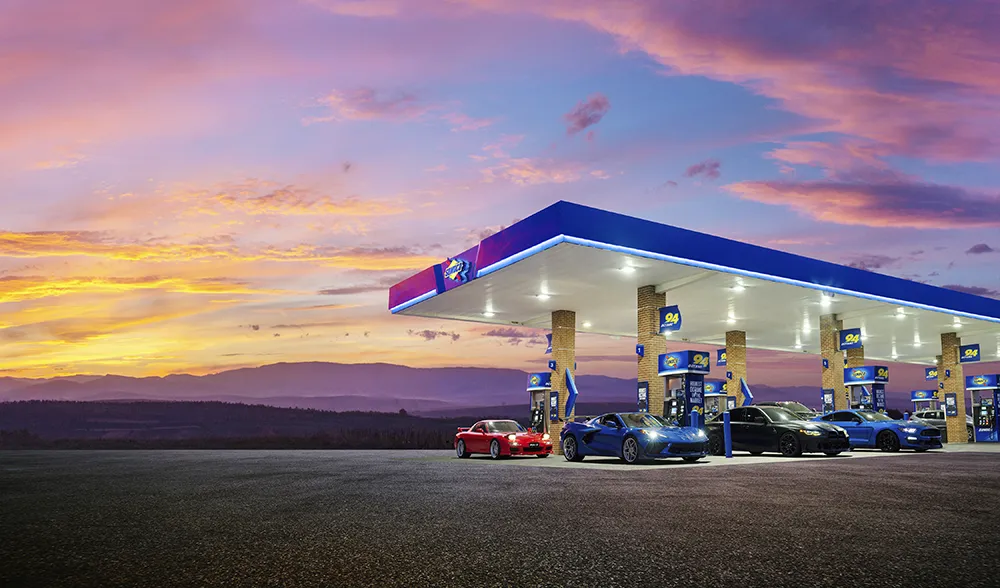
985 392
866 386
685 380
924 399
539 392
716 392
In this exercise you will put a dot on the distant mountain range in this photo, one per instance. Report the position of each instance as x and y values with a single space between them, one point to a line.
340 387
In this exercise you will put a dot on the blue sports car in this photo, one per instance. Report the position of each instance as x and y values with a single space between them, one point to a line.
877 430
632 436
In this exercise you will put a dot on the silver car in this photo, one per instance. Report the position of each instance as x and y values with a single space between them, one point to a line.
936 418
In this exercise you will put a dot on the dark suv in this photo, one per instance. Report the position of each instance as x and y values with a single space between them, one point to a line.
936 419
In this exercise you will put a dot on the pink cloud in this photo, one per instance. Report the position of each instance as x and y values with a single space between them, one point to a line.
370 104
903 203
464 122
587 113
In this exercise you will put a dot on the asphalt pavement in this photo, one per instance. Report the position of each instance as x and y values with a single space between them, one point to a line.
417 518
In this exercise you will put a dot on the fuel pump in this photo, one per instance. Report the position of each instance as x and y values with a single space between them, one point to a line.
539 387
866 385
715 397
985 392
685 379
924 399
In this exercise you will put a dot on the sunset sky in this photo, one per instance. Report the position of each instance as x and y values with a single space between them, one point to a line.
201 184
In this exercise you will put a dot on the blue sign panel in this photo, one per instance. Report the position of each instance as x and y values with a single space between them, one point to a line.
930 373
730 402
968 353
552 364
878 397
850 339
694 391
571 398
683 362
540 381
826 363
923 395
670 319
553 406
827 400
950 404
720 357
984 382
640 350
642 396
548 348
869 374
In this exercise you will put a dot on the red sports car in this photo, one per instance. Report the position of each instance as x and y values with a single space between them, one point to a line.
501 439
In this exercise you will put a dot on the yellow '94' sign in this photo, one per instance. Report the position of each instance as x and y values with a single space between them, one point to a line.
852 338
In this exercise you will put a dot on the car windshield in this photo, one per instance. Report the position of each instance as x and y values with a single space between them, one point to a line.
504 427
795 407
874 416
778 414
642 419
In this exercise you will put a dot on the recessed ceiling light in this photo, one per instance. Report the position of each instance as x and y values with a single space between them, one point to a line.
586 325
628 269
739 288
731 321
488 314
798 346
543 297
825 300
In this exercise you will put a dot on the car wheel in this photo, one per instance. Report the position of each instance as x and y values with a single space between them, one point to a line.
789 445
692 458
495 449
756 453
460 449
630 450
831 453
715 445
888 441
570 449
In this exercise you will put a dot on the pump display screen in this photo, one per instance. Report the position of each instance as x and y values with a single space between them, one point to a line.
984 417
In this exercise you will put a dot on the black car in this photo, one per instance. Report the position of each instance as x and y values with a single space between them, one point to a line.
797 408
769 428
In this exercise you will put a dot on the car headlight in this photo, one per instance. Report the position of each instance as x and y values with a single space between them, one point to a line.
512 437
810 432
701 433
650 434
909 430
546 437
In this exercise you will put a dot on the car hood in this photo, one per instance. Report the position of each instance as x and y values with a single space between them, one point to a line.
815 425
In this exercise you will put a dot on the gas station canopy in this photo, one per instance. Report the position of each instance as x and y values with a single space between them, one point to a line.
574 257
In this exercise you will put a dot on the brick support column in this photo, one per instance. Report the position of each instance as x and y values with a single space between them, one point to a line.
833 374
736 362
649 303
564 352
954 384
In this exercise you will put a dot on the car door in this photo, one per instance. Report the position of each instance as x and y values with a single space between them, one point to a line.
757 436
478 439
857 429
737 428
607 439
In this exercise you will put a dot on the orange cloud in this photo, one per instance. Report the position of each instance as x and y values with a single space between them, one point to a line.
92 244
21 288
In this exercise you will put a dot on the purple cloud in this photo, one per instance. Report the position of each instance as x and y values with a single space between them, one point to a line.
980 248
708 169
429 335
587 114
872 261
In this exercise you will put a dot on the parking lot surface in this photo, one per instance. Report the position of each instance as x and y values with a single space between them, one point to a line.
425 518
